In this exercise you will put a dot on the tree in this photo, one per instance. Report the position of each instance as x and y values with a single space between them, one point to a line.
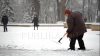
83 8
36 7
61 8
98 11
99 5
7 8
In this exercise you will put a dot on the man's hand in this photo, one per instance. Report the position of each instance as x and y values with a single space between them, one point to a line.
68 35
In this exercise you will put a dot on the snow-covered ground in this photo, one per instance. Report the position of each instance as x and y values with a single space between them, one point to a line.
25 41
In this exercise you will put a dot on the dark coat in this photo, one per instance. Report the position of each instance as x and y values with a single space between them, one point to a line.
35 20
4 20
76 25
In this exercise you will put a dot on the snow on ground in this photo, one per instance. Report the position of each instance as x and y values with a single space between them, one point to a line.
25 41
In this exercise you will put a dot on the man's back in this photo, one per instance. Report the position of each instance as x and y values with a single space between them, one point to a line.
5 19
76 24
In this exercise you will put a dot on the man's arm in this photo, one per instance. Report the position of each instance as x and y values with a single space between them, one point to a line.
70 23
7 19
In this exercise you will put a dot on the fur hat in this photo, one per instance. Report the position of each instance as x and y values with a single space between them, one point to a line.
67 11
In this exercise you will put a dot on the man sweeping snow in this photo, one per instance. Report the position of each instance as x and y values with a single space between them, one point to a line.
76 29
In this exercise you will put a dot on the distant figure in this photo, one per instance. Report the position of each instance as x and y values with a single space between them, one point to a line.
5 22
35 20
85 19
76 29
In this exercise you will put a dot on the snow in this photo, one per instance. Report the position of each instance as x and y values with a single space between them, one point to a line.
95 23
25 41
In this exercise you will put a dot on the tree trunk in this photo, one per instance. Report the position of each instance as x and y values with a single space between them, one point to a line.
61 8
83 8
36 7
98 11
89 11
99 5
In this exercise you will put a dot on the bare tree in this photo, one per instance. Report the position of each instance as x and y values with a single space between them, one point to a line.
36 7
83 8
89 11
49 11
61 7
99 5
98 11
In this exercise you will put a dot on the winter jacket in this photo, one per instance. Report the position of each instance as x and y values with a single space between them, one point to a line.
4 20
76 25
35 20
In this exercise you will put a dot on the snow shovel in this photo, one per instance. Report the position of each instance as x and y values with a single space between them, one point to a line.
62 37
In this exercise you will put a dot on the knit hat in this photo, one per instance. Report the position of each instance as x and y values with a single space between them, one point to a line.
67 11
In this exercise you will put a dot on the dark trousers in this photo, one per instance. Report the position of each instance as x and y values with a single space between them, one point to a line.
80 42
5 27
35 26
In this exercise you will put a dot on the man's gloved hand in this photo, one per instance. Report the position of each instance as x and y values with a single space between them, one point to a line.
68 35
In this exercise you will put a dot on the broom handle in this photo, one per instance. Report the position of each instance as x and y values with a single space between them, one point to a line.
64 35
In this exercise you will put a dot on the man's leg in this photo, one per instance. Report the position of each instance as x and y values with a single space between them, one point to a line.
37 27
81 42
34 27
72 43
4 27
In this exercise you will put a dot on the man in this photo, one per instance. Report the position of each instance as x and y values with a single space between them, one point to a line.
5 22
76 29
35 20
